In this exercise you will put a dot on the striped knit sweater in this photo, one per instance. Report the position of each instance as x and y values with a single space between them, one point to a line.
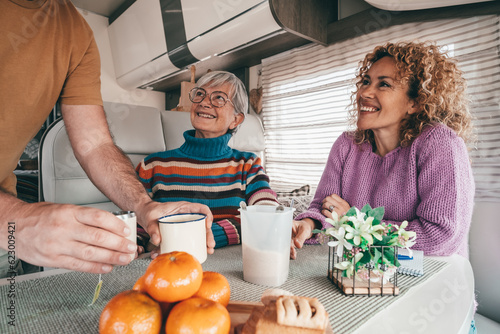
208 171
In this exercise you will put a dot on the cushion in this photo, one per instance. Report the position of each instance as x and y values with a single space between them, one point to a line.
174 125
300 197
135 129
248 138
302 191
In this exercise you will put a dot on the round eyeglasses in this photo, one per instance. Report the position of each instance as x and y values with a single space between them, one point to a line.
217 99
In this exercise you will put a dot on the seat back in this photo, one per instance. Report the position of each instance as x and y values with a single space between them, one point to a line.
136 130
248 138
484 247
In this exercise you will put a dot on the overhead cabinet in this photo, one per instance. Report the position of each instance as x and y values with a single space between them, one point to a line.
153 40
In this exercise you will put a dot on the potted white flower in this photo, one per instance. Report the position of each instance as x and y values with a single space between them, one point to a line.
363 248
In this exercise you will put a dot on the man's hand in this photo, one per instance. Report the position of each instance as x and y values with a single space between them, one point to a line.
68 236
149 214
112 172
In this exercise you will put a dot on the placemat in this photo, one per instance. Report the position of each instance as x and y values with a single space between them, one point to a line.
59 304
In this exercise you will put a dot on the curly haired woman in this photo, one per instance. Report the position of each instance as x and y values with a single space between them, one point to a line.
408 152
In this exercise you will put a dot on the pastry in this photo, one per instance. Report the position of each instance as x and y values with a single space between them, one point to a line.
285 313
271 295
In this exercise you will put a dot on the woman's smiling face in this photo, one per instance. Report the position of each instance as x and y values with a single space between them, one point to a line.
211 122
382 100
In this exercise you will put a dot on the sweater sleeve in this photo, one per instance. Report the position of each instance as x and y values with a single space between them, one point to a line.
446 190
258 191
226 232
145 176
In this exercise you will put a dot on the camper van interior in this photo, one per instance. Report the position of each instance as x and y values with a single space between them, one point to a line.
297 59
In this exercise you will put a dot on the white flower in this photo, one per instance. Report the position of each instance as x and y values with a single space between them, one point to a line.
329 230
360 230
341 241
358 219
377 231
335 221
348 266
405 238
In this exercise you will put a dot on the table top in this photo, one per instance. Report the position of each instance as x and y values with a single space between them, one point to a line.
441 301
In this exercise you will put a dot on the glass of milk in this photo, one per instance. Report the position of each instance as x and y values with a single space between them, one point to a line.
266 235
184 232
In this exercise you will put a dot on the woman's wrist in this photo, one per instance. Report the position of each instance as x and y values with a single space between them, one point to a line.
314 224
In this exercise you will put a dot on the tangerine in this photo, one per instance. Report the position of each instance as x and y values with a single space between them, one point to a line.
139 285
173 276
214 286
198 316
130 312
165 306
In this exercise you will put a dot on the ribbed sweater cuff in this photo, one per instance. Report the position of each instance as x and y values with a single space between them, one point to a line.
225 233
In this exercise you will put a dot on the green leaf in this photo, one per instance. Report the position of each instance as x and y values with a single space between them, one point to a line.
377 214
389 254
97 291
367 208
367 257
377 255
317 231
384 242
351 212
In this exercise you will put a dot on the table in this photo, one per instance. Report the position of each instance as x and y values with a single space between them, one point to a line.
441 301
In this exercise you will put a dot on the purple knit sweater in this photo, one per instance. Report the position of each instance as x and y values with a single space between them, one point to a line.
428 183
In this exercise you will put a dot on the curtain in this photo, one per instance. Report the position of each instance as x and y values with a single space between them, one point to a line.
307 93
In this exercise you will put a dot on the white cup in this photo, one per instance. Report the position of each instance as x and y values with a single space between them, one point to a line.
131 220
184 232
266 235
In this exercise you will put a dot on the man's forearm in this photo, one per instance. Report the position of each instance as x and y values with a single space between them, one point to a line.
113 173
105 164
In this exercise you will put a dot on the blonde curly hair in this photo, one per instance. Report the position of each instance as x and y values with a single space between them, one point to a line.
434 82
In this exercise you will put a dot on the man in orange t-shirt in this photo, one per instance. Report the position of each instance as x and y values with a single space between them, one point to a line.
48 53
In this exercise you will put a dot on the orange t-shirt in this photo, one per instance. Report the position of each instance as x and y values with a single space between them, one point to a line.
47 52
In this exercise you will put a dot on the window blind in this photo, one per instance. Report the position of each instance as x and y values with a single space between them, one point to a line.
307 92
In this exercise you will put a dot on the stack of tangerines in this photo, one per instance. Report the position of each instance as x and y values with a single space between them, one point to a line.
175 293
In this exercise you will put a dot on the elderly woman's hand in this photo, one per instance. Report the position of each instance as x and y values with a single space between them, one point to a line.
334 203
151 211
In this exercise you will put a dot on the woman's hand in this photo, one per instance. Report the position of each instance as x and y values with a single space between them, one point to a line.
149 214
334 203
301 231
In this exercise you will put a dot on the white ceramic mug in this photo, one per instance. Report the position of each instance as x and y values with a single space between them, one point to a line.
184 232
131 220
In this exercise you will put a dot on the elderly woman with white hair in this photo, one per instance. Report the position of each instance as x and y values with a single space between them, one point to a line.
205 169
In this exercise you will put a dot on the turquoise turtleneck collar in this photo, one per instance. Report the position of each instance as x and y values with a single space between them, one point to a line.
205 147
